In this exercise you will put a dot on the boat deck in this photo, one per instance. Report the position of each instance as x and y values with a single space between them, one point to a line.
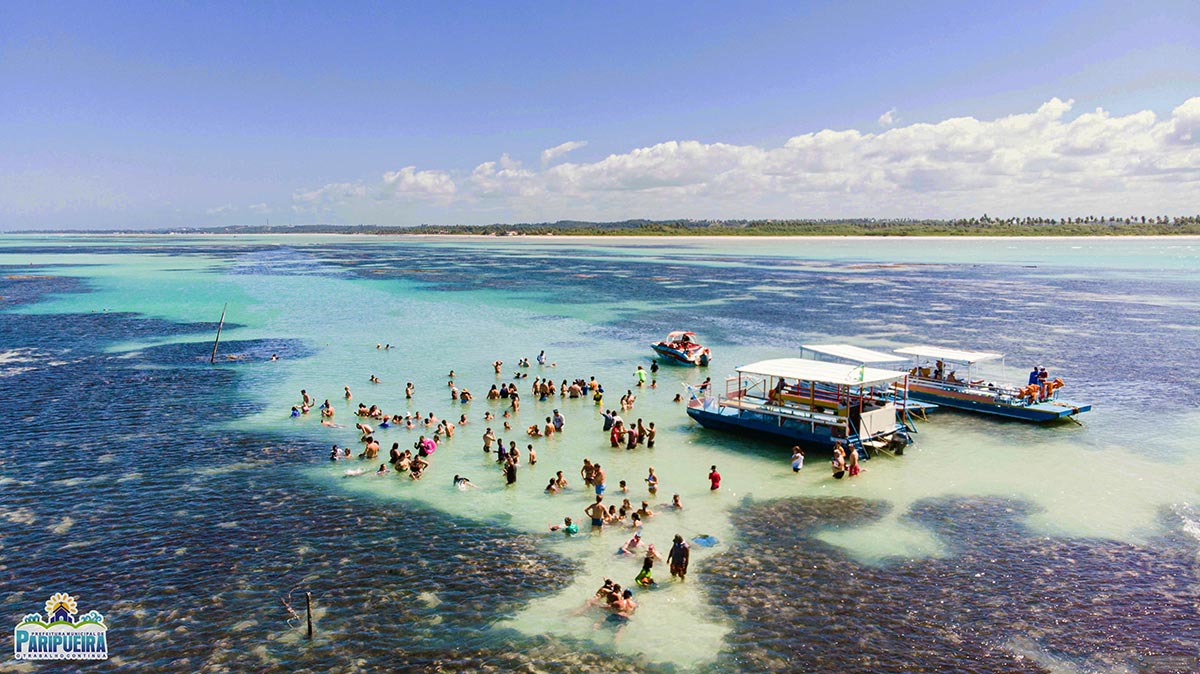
764 406
1059 408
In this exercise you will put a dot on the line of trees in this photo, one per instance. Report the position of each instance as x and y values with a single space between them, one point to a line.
985 225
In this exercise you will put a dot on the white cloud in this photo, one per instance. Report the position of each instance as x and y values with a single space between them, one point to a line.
888 118
332 193
557 151
409 182
407 185
1040 162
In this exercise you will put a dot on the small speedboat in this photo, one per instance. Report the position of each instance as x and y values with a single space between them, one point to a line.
682 348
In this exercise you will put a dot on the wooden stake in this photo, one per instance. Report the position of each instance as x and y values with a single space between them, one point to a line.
212 359
308 610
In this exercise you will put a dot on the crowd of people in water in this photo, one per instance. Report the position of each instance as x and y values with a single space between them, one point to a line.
609 507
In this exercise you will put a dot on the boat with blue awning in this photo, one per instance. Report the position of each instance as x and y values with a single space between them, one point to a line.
935 378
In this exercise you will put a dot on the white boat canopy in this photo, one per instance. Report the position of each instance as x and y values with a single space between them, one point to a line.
680 333
854 353
820 371
952 355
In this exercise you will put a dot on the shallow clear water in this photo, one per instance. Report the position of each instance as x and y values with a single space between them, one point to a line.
197 503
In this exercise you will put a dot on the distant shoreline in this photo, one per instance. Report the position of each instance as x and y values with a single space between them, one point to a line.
1041 227
623 236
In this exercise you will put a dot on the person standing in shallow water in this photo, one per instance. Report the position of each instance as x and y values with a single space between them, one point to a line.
852 462
838 463
596 512
678 558
714 479
510 471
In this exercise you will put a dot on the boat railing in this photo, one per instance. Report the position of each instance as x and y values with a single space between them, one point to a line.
765 406
1003 393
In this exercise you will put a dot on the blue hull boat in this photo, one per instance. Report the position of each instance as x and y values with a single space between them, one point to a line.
933 380
812 404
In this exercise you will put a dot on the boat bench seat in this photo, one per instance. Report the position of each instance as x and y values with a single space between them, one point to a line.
815 403
754 404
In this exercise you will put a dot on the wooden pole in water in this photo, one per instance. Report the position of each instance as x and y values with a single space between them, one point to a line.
212 359
308 610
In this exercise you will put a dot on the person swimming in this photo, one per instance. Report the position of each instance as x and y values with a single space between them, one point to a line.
567 527
631 545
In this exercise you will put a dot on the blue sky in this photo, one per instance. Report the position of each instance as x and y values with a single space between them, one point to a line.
138 115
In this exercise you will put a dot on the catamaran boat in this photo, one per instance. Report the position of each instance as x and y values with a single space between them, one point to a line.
935 378
811 403
857 355
682 348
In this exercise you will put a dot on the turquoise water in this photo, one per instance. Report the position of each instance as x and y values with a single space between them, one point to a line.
202 470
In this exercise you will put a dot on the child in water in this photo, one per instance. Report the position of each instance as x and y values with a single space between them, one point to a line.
646 577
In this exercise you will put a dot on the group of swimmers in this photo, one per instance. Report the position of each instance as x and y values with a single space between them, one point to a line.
632 436
402 461
544 388
677 558
844 461
640 374
509 457
554 424
618 601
